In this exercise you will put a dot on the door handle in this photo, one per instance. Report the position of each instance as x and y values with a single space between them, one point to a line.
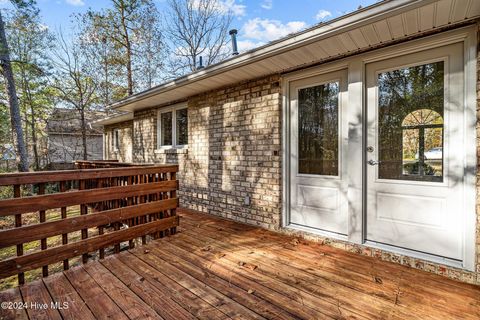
373 162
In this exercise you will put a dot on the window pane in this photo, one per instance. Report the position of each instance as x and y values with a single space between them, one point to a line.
182 126
166 129
411 108
318 129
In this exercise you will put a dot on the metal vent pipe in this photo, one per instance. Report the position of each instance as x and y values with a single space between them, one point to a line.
233 34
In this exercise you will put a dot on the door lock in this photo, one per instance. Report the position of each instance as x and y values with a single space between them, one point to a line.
369 149
373 162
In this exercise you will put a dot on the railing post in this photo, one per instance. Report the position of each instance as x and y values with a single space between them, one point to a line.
83 211
18 223
63 211
43 218
173 194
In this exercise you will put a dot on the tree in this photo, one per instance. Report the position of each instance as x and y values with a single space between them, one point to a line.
10 89
197 28
131 30
75 81
29 41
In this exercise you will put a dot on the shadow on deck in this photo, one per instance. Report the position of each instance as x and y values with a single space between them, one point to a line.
219 269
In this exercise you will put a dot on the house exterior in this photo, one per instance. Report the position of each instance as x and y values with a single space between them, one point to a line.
360 132
64 138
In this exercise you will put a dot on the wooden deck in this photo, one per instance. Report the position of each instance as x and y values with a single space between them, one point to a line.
218 269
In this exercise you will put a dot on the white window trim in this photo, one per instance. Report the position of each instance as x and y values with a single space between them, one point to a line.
173 109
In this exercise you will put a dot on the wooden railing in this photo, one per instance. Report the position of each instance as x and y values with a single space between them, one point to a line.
94 164
116 205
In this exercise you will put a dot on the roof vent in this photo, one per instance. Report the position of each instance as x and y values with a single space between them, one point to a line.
200 63
233 34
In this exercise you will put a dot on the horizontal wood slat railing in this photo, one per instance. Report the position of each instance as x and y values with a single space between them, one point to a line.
95 164
115 205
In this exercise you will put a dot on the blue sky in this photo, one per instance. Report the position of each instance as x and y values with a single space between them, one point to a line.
258 21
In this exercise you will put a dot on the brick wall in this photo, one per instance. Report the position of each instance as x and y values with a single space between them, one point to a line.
232 167
233 164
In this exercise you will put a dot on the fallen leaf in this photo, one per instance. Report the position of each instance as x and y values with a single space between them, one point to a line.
241 263
208 248
146 251
251 291
250 266
378 280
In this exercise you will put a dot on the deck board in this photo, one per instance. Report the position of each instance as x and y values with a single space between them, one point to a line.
38 301
193 303
101 305
133 306
219 269
71 305
162 303
11 311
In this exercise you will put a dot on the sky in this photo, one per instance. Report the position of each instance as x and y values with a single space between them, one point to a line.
258 21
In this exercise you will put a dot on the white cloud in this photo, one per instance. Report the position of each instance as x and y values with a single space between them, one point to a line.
268 30
225 6
238 10
246 45
267 4
322 14
77 3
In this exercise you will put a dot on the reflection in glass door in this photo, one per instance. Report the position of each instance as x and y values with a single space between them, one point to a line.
318 129
410 117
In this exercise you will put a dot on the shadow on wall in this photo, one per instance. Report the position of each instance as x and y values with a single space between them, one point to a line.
139 137
242 172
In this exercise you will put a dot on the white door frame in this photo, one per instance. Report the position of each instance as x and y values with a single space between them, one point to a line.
356 138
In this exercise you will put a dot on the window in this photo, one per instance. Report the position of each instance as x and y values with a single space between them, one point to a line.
410 113
173 127
116 139
318 129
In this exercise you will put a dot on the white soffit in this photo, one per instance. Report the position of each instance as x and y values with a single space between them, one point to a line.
382 23
114 119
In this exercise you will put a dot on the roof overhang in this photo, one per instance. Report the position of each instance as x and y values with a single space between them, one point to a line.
380 24
114 119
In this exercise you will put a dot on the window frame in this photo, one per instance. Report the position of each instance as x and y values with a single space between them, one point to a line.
116 140
173 109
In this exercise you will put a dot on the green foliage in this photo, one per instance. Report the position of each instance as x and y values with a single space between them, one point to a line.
414 169
28 42
127 33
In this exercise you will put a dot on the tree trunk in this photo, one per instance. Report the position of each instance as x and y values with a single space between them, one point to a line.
21 150
128 47
84 134
34 137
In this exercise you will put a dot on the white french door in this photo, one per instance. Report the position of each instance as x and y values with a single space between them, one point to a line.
382 153
318 146
415 152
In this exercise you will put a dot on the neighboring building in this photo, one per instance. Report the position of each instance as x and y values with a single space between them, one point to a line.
327 133
64 138
7 156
